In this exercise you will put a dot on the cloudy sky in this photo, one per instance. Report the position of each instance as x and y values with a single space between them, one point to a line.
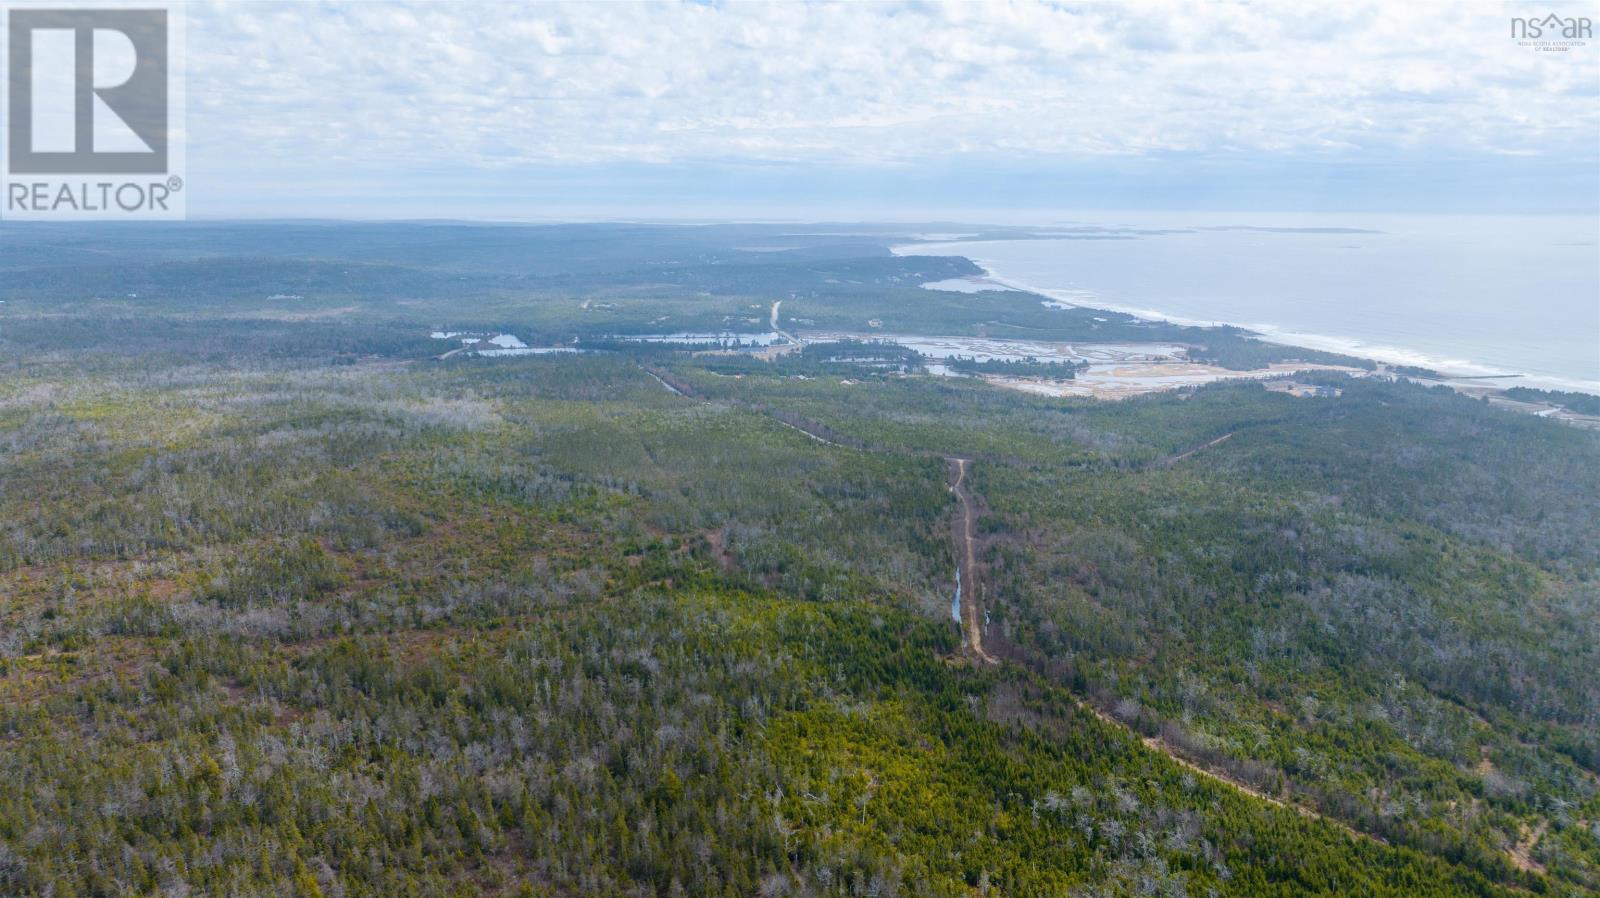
883 110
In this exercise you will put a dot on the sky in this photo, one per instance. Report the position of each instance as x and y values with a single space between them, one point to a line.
969 111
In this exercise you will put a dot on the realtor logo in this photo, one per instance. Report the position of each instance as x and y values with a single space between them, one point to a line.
109 68
91 101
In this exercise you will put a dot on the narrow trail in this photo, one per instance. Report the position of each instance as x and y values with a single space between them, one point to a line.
1157 744
967 560
1183 455
821 439
802 428
1522 852
670 388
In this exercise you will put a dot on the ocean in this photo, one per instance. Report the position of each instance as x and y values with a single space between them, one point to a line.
1464 295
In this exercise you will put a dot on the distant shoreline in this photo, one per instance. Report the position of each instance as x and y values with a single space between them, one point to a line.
1454 373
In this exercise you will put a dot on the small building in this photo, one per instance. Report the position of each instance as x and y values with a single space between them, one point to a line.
1305 391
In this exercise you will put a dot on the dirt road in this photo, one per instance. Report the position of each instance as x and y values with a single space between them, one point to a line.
779 330
967 561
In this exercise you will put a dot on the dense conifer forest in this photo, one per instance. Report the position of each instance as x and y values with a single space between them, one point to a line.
296 602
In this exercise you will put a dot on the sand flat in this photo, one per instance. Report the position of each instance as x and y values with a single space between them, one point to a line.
1121 380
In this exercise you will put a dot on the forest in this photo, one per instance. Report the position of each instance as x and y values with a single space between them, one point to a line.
295 606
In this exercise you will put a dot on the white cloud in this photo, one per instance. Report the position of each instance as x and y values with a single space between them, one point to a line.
500 84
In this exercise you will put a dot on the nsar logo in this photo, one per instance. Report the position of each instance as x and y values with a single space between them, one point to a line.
1553 33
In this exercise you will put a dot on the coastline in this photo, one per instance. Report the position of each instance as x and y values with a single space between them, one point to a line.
1456 373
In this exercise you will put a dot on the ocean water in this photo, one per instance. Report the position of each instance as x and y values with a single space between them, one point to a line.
1465 295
